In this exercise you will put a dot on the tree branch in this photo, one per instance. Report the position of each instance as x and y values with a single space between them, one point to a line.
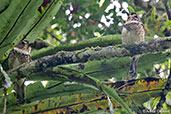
100 41
89 54
94 42
167 9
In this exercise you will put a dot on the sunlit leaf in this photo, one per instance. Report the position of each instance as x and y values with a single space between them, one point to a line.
168 23
131 9
153 14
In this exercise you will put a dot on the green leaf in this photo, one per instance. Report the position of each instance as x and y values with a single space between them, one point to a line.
15 22
153 18
131 9
44 20
9 90
8 82
3 5
168 23
28 25
113 94
13 18
140 12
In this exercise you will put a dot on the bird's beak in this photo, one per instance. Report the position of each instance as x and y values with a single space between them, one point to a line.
127 13
31 44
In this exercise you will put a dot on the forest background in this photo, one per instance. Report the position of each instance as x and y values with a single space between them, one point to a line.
78 62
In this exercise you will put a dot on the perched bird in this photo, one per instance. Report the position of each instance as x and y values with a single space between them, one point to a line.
133 32
19 55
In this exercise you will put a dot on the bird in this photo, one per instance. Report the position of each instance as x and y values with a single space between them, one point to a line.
19 55
133 32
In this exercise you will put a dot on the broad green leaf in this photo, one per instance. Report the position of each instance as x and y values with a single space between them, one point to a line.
14 22
3 5
16 15
29 24
113 94
50 11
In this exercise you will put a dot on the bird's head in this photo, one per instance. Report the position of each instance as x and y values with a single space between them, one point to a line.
24 45
133 17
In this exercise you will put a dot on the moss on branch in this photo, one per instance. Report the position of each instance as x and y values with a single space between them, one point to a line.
94 42
100 41
101 53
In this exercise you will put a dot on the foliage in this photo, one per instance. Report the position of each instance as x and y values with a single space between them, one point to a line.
23 22
15 23
79 20
71 29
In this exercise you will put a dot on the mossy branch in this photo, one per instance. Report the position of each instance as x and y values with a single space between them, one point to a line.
100 41
89 54
109 40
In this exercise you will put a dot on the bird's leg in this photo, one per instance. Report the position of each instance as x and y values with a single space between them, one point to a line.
133 66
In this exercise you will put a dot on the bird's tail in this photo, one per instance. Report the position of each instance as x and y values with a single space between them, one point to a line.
20 91
133 65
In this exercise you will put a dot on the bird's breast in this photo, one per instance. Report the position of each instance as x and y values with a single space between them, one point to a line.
132 36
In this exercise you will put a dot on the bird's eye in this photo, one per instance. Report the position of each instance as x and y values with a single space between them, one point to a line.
136 16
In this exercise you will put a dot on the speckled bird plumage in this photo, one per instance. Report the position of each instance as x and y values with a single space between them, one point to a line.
19 55
133 32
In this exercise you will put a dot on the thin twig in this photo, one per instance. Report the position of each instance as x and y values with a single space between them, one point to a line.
167 9
5 101
53 36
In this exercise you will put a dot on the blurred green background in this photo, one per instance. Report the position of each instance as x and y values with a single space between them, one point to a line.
83 19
